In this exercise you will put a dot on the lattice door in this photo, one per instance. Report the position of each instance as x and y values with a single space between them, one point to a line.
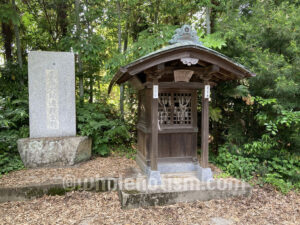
165 108
175 109
182 108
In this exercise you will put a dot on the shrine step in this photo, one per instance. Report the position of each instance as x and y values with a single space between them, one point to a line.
176 167
178 187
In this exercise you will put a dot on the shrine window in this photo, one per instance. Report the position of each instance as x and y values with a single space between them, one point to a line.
175 108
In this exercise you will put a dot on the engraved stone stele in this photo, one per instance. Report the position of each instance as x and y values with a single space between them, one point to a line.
52 115
51 94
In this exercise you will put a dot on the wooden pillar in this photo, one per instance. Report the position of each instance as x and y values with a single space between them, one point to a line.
154 121
204 129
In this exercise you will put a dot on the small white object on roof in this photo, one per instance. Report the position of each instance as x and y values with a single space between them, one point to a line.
189 61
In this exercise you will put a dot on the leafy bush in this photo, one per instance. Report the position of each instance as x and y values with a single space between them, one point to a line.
236 165
280 124
277 180
100 122
259 160
265 147
13 125
10 162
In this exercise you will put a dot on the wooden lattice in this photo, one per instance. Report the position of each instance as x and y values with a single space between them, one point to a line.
182 108
175 109
165 108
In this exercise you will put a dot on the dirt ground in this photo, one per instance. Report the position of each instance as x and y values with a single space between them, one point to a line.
98 167
264 206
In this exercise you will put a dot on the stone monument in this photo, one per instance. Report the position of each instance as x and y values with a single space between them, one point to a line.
52 113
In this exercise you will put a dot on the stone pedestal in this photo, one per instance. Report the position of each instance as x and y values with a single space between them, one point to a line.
154 178
54 151
204 174
180 187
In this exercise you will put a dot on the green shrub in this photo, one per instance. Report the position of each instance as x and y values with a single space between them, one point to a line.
259 159
10 162
100 122
278 181
222 175
236 165
13 125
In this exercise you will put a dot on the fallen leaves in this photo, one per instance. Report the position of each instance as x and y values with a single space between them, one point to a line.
98 167
264 206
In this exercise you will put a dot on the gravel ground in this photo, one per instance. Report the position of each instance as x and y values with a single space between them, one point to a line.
113 166
265 206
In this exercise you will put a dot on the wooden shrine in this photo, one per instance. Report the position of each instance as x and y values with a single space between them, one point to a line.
167 81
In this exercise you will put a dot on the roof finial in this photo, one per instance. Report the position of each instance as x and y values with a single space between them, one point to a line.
185 33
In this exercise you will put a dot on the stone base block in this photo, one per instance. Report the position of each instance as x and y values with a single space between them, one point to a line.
204 174
54 151
154 178
178 187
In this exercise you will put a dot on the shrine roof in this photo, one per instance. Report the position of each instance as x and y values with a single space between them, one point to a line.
184 44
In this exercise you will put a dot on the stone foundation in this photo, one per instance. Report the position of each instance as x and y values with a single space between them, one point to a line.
178 187
54 151
203 174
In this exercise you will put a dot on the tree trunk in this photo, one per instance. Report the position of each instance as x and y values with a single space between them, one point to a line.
77 11
18 44
122 101
62 19
91 91
120 50
125 39
156 12
207 20
213 15
99 87
7 34
126 32
119 27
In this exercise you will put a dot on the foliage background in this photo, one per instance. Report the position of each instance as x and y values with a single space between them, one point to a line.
254 123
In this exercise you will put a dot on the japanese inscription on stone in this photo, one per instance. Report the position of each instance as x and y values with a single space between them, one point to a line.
52 99
51 94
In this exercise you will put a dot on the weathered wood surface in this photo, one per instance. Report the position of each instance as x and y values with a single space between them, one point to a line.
228 69
154 124
183 52
178 140
177 85
136 83
177 145
204 130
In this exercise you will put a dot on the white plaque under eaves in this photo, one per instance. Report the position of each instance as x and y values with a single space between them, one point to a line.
51 77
